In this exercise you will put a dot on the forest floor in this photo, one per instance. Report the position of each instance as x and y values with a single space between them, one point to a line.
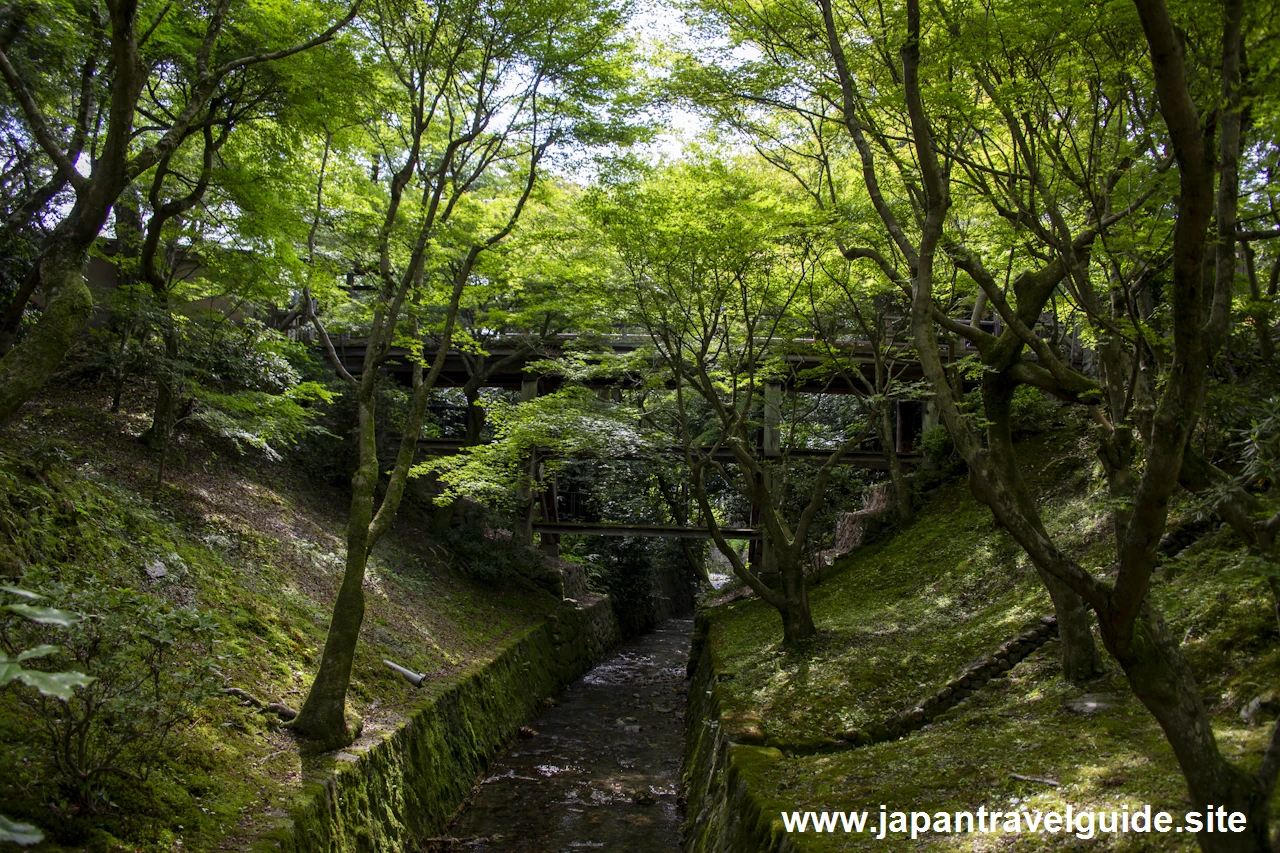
903 615
256 545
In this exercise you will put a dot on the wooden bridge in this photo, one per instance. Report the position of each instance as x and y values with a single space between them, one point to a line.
869 459
808 366
808 370
669 531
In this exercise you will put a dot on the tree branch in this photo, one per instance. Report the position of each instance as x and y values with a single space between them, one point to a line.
39 126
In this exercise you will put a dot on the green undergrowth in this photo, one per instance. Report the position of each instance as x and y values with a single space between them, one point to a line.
899 618
259 549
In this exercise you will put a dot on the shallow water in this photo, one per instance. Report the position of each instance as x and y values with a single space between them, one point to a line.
602 770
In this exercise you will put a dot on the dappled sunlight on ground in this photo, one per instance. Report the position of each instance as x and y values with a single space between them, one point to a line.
898 618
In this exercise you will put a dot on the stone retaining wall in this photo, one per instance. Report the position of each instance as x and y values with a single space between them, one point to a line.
403 787
724 811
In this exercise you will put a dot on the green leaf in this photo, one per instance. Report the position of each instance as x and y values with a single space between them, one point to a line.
37 652
8 671
59 684
45 615
19 591
19 833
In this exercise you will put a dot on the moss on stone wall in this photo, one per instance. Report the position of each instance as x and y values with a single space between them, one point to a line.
404 787
726 812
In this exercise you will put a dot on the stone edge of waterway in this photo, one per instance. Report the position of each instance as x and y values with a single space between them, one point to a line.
403 788
724 810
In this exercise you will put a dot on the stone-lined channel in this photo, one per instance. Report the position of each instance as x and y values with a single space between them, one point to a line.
599 770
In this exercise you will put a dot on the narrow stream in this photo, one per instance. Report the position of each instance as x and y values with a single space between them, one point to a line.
599 770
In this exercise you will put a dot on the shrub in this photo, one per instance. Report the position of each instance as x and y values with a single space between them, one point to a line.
61 685
151 666
489 560
937 446
1032 411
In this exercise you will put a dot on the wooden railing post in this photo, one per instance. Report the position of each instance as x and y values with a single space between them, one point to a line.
524 494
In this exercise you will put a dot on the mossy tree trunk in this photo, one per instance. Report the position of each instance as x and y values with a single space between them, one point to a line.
1080 658
1079 653
791 598
11 324
322 717
797 616
1161 678
25 219
28 366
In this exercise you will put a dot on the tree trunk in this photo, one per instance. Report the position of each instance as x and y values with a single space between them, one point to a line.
12 233
901 491
792 600
167 385
1080 658
476 416
322 717
26 367
11 326
677 504
797 619
1160 677
696 562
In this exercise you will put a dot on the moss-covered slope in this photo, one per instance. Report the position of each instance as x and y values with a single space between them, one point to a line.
258 547
901 617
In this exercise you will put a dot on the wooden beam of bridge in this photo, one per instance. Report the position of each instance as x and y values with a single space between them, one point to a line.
806 359
808 364
868 460
671 531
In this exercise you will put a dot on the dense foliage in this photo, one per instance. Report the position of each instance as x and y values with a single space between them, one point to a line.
903 230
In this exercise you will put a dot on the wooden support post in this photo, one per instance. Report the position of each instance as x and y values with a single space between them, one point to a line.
931 417
754 554
762 559
525 506
549 543
773 418
899 438
769 563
